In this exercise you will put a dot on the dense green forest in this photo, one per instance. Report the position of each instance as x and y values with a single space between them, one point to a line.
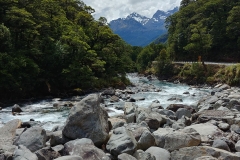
206 28
56 46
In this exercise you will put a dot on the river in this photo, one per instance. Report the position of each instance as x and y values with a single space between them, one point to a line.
50 116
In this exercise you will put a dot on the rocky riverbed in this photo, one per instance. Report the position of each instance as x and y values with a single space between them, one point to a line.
129 125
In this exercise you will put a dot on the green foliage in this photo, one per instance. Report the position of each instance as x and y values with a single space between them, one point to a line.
55 46
209 29
230 75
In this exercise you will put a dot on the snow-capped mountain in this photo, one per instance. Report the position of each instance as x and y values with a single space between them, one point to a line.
139 30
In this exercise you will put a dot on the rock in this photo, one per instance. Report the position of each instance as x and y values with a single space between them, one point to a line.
142 135
125 156
173 140
58 148
166 112
155 106
129 108
183 112
47 154
0 108
69 158
141 155
237 146
131 118
175 107
224 126
211 100
16 108
218 143
7 134
121 141
224 87
186 92
190 153
114 99
22 153
84 148
159 153
116 122
137 98
207 131
206 158
33 138
88 120
109 91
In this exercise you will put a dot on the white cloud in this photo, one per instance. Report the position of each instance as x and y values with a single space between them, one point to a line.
113 9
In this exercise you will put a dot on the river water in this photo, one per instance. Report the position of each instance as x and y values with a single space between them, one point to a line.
49 116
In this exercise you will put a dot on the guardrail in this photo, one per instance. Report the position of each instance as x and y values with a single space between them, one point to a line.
213 63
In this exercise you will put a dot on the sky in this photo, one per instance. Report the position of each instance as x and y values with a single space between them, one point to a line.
114 9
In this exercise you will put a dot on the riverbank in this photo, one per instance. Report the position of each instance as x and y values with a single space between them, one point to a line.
209 128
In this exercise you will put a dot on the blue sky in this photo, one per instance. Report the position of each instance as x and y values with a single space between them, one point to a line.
113 9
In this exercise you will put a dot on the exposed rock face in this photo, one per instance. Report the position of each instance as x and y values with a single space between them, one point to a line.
16 108
22 153
84 148
88 120
173 140
33 138
121 141
47 153
190 153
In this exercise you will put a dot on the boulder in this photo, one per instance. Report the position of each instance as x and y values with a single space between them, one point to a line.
173 140
84 148
141 155
109 91
114 99
206 158
121 141
125 156
218 143
183 112
129 108
159 153
57 138
166 112
88 120
16 108
47 154
237 146
224 126
69 158
191 153
207 131
175 107
7 134
116 122
22 153
33 138
142 135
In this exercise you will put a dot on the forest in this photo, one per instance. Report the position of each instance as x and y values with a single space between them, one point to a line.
206 28
56 47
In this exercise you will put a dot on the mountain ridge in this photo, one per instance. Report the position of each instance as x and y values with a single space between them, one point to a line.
138 30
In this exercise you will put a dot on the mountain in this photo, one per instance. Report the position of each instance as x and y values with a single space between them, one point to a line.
139 30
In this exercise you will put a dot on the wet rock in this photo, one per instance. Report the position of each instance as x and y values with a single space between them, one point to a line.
155 106
190 153
88 120
141 155
22 153
159 153
218 143
121 141
16 108
137 98
114 99
125 156
33 138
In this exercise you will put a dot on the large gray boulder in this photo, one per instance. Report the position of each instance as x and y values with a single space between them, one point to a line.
173 140
22 153
88 120
84 148
191 153
33 138
159 153
218 143
183 112
16 108
129 108
121 141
